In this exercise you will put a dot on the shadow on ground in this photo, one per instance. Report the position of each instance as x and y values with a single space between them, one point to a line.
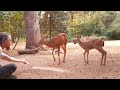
11 77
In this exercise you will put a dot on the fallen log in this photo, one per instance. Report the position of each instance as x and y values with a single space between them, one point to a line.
28 51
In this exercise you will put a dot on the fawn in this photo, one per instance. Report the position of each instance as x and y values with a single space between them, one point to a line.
92 44
59 40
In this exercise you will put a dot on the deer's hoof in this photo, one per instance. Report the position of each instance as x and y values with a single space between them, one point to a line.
104 64
86 63
63 61
101 64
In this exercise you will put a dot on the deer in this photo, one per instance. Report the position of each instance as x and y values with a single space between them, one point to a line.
59 40
92 44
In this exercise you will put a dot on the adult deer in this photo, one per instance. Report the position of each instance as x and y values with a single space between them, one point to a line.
92 44
60 40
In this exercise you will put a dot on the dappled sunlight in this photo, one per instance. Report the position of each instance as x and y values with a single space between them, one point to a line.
51 69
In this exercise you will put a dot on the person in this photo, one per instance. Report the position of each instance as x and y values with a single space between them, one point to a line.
7 70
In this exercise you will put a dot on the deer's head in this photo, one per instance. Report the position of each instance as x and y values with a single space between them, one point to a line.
42 40
77 39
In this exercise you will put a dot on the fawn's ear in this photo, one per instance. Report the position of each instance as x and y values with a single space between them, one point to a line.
80 36
43 37
77 36
47 36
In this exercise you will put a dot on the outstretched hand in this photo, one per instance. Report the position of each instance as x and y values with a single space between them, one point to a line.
24 61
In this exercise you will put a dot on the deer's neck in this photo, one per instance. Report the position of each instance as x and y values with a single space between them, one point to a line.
48 43
81 43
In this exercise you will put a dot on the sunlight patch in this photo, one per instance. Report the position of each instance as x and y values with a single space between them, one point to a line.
50 68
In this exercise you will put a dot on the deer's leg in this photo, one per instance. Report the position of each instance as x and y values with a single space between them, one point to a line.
59 54
64 48
84 56
87 56
53 55
103 54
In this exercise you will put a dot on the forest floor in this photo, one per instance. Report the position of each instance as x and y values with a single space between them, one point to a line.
42 65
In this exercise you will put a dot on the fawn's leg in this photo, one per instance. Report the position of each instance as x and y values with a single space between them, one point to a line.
64 48
102 52
59 54
84 56
87 56
53 55
105 53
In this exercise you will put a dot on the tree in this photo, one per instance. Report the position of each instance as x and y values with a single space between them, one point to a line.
52 22
114 28
13 23
32 29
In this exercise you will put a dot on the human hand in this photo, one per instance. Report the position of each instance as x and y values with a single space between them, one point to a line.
24 61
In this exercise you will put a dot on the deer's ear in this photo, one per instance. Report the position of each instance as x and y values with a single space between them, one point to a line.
42 37
47 36
78 36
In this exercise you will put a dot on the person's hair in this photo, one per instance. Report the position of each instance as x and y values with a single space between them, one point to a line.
3 36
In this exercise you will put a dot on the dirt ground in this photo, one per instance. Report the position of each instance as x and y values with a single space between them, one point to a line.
42 65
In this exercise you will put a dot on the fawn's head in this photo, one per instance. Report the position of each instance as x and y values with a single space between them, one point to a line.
77 39
42 40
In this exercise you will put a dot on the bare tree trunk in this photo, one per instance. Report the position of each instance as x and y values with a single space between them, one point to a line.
32 29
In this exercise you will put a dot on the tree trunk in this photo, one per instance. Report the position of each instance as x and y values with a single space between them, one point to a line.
32 29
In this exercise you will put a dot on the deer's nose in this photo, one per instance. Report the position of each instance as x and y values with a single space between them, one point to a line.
74 43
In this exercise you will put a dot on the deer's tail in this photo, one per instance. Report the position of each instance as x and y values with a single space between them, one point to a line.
103 43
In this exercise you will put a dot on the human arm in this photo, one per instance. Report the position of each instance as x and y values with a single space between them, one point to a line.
12 59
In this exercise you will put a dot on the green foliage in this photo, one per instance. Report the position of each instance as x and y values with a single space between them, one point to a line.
105 24
13 23
114 29
97 23
52 22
